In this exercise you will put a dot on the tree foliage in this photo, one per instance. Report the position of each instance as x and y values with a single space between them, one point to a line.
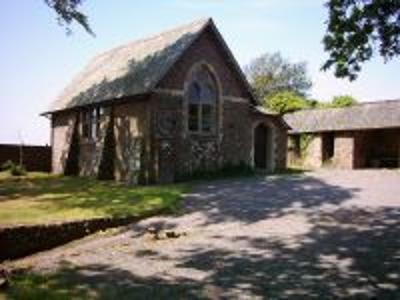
343 101
286 101
357 28
68 12
271 73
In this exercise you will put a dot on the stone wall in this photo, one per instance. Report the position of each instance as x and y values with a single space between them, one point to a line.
62 126
343 157
374 148
276 141
236 141
90 150
23 240
177 153
313 153
131 127
131 132
344 150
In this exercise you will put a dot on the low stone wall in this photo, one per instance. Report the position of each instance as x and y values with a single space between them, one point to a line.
22 240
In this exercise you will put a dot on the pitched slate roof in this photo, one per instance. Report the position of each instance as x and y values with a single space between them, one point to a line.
135 68
371 115
131 69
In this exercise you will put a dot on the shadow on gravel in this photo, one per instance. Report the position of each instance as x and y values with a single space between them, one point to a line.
254 199
352 254
347 253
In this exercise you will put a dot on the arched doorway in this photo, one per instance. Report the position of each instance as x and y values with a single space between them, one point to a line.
263 147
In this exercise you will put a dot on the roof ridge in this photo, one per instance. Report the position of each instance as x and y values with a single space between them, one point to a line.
308 109
358 104
379 101
201 21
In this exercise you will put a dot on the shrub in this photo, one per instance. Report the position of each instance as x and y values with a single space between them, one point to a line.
8 165
343 101
226 171
286 101
18 170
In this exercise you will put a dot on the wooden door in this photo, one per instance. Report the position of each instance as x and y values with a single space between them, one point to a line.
260 146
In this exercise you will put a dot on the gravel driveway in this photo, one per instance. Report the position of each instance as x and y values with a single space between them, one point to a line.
320 235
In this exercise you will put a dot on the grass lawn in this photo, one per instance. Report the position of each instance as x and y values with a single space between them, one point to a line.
74 283
41 198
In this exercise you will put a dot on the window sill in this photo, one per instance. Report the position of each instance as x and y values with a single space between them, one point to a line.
202 134
86 141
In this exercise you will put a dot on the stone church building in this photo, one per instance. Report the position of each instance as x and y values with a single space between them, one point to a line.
162 108
366 135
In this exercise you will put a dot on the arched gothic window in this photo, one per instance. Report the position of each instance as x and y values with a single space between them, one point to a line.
202 97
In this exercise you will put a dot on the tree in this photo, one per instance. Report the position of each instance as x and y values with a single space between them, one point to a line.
357 28
67 12
287 101
343 101
271 73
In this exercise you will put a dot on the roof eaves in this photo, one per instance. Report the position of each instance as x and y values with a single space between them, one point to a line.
99 103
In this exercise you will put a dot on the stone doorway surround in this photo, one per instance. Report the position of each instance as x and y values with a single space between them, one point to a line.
268 143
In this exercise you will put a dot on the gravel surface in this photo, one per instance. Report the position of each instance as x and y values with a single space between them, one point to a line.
327 234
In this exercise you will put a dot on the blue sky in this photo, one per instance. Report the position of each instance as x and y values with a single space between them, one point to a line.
38 59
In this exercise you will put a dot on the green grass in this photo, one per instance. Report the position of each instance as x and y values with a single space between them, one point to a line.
35 287
105 283
43 198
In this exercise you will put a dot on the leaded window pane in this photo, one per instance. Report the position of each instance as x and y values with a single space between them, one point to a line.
193 117
202 97
206 118
208 94
194 93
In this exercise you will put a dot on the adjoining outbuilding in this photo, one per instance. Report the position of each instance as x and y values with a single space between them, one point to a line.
162 108
365 135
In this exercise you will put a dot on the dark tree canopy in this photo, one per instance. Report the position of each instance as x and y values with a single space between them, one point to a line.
67 12
271 73
358 28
